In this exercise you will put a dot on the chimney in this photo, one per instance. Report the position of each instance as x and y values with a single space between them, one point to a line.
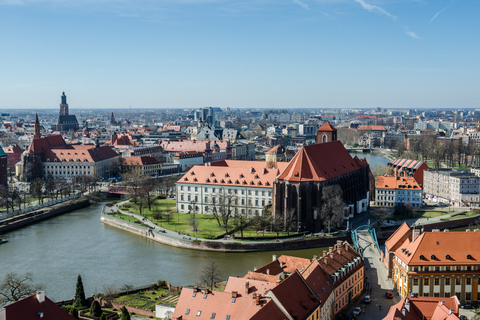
3 314
407 305
268 271
247 284
324 253
326 262
314 258
330 250
180 316
415 234
451 311
257 300
254 268
40 296
274 257
234 294
331 255
442 302
403 311
338 250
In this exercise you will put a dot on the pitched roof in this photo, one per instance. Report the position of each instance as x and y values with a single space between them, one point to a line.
261 277
393 241
29 308
420 308
79 153
303 303
287 264
320 162
139 161
407 163
401 183
371 128
234 173
202 305
190 145
41 144
240 285
318 281
441 248
327 127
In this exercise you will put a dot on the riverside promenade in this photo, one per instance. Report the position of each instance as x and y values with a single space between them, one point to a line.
176 239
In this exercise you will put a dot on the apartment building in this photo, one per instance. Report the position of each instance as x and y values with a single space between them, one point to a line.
394 191
433 264
457 188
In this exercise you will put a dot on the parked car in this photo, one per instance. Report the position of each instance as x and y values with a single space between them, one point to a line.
367 299
357 311
389 294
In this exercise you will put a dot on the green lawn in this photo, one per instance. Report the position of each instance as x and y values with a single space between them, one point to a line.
146 300
180 222
431 214
461 216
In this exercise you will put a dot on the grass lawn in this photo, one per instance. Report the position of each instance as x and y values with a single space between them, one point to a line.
146 300
180 222
461 216
431 214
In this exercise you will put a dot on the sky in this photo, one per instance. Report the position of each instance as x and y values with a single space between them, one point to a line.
240 53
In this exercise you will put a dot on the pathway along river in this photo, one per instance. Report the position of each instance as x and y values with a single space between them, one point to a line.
59 249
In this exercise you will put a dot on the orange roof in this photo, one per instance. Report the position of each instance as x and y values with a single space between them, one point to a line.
401 183
191 145
234 173
318 281
261 276
441 248
201 305
79 153
327 127
421 308
320 162
240 285
393 241
371 128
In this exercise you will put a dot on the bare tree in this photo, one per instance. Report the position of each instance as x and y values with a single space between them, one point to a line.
332 206
215 209
192 218
148 186
210 274
132 182
226 203
241 220
36 189
15 287
380 215
110 291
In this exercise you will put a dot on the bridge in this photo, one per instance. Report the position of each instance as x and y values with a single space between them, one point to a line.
359 149
117 190
355 234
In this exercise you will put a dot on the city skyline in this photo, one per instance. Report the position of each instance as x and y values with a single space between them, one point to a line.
239 54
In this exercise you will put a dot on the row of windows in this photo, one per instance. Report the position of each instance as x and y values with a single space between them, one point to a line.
445 268
436 281
196 189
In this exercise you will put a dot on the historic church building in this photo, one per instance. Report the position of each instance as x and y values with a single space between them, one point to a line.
297 190
66 121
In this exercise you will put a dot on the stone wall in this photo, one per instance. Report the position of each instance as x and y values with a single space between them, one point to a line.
222 246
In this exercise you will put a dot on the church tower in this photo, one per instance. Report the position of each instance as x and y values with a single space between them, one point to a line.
326 133
86 134
37 134
64 105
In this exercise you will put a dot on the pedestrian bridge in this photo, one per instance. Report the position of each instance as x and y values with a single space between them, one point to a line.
355 233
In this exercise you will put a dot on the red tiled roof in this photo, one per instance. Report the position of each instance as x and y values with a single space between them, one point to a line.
327 127
261 277
191 145
234 173
296 297
441 248
320 162
371 128
240 285
401 183
202 305
393 241
269 312
40 145
318 281
29 309
422 308
79 153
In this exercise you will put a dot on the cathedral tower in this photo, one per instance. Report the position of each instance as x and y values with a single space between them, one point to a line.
64 105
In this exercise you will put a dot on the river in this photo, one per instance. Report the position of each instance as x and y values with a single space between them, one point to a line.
59 249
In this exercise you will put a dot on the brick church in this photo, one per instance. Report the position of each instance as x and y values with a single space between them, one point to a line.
298 189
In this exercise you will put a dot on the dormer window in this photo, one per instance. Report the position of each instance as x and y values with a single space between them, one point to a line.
432 256
469 256
447 256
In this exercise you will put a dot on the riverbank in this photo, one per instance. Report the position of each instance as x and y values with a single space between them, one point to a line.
174 239
25 219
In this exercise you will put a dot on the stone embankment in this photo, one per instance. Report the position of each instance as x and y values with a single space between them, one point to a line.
25 219
216 245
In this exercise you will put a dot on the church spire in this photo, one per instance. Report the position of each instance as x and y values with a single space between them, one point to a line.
64 105
37 134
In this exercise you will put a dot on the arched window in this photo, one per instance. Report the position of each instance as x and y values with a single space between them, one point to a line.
324 139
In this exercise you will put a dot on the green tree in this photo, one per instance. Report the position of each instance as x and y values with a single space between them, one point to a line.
125 314
95 309
79 300
74 312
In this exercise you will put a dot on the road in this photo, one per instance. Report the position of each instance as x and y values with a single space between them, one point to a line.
376 278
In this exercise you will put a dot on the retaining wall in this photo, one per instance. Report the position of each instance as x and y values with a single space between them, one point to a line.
25 219
233 246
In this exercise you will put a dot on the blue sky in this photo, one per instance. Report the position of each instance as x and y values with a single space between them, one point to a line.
245 53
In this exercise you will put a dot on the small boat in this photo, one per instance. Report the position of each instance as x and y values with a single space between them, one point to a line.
3 241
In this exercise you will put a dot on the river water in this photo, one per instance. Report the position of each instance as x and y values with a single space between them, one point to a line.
59 249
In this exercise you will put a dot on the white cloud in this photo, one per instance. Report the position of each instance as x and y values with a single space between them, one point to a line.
413 35
375 9
301 4
436 14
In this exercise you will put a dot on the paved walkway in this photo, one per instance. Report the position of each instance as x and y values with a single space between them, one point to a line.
376 278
